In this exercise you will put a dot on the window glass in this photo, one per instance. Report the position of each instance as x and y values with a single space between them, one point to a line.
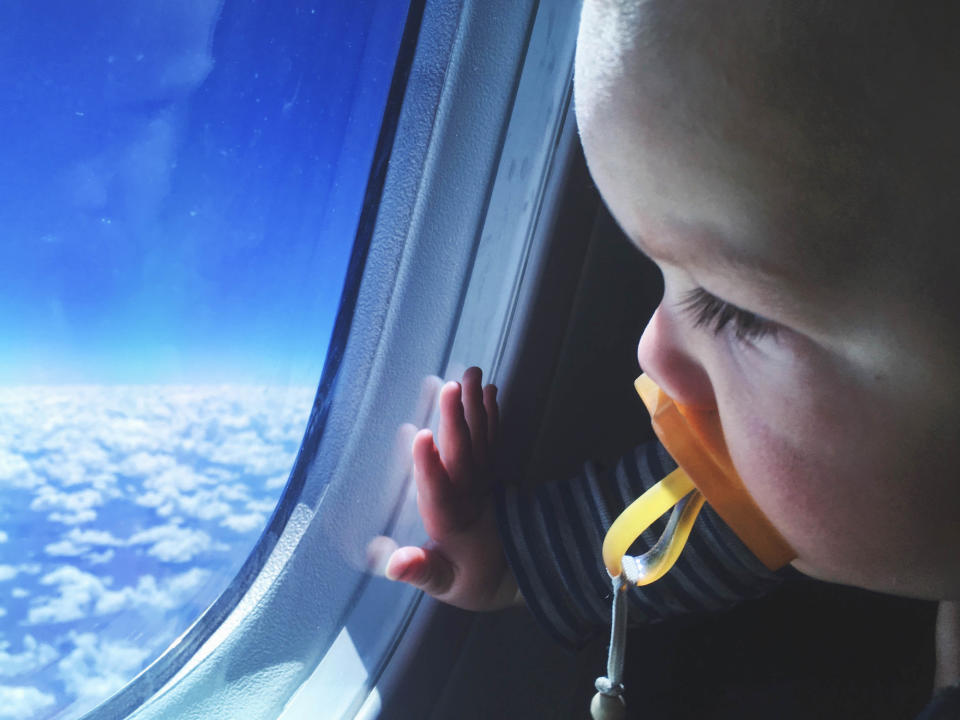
180 187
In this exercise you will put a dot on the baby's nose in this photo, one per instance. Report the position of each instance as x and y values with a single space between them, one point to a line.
667 358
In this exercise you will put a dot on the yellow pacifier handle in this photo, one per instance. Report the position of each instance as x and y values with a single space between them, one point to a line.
675 491
641 514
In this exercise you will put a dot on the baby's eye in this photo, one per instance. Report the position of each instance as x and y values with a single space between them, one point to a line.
710 311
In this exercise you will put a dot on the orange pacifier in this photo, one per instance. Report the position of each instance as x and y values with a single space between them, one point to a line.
694 438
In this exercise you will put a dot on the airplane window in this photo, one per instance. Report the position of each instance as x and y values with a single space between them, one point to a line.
187 203
181 187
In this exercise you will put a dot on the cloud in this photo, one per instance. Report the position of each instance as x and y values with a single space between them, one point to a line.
65 548
16 471
203 505
178 479
99 558
169 594
64 471
97 667
146 464
94 537
172 543
262 506
249 451
78 593
71 508
74 518
244 523
90 436
79 542
33 657
18 702
107 477
81 594
181 490
276 482
8 572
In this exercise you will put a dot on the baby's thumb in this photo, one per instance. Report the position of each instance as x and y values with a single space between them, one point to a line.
423 568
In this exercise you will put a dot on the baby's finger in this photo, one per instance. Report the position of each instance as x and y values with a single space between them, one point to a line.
475 413
426 569
439 504
456 447
493 414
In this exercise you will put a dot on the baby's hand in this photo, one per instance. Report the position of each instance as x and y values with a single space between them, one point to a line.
463 563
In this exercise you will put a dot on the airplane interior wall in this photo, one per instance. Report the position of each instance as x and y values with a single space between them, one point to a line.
570 399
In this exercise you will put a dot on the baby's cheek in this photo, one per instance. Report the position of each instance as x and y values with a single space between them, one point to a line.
785 482
795 458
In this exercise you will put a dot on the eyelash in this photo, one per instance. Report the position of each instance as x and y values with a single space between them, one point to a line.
710 311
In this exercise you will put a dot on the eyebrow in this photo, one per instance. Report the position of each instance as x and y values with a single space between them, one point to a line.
726 253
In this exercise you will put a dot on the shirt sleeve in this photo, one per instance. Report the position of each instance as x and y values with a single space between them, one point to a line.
553 535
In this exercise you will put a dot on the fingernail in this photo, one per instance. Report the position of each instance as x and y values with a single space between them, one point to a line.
390 575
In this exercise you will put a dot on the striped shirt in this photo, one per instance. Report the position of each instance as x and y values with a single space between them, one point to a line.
552 538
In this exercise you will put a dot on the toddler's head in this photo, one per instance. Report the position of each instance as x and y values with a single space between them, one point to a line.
794 170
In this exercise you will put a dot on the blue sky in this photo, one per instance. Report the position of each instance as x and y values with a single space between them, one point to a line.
181 184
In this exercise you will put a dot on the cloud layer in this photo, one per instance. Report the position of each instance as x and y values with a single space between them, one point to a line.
126 510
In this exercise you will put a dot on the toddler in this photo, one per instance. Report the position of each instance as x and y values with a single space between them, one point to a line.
792 168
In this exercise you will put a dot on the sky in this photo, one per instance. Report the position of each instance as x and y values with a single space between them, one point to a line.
180 186
181 183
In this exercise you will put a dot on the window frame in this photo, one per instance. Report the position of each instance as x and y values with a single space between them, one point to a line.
436 203
185 649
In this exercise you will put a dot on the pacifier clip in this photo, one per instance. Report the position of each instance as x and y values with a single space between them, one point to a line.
676 490
694 439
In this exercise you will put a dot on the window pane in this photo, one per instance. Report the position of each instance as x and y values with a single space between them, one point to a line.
178 199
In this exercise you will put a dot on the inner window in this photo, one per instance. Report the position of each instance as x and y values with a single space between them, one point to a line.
179 193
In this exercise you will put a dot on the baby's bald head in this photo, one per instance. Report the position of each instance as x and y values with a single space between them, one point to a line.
835 122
